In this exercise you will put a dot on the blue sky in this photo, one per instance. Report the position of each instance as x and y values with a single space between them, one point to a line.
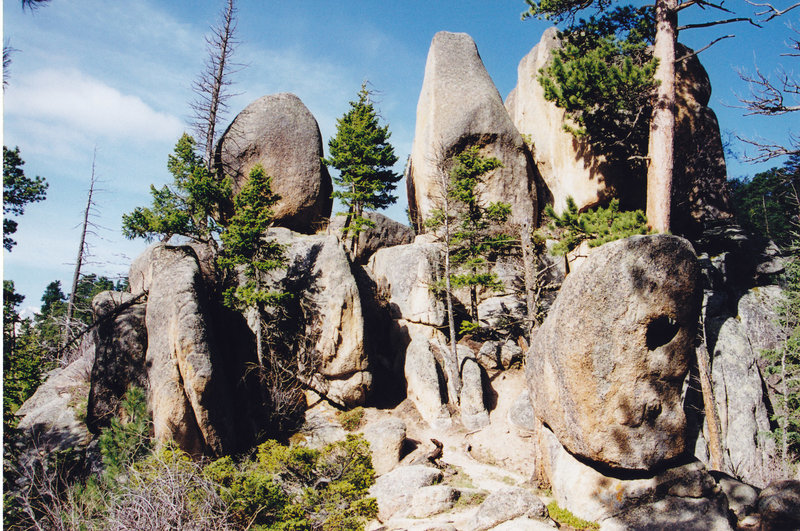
117 76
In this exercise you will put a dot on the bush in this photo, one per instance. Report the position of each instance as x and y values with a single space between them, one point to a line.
564 517
351 420
597 226
127 439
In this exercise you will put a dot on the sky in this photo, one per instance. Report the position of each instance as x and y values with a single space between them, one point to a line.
114 78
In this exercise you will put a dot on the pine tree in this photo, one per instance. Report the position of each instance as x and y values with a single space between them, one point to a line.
769 203
785 363
602 75
468 228
595 226
475 236
362 154
18 191
245 245
22 357
188 208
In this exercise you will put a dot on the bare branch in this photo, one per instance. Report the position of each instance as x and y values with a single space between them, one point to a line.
718 23
767 151
704 48
769 10
211 86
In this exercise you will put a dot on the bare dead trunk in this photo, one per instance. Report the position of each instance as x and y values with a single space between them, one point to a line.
451 358
709 405
662 123
529 274
79 260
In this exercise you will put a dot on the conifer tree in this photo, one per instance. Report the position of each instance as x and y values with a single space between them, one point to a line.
188 207
602 75
245 245
18 191
475 236
364 157
785 363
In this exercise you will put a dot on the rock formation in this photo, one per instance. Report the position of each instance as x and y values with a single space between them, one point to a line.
318 273
187 399
120 341
385 233
700 189
460 107
606 368
279 132
566 165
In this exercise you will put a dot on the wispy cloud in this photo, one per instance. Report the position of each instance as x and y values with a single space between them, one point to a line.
76 102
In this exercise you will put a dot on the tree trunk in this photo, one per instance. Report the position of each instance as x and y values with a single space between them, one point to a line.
529 274
709 405
451 359
662 123
79 261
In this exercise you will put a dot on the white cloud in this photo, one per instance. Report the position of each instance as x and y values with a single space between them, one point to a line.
81 104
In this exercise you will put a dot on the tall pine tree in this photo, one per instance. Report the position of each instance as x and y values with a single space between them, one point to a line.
364 157
477 233
245 245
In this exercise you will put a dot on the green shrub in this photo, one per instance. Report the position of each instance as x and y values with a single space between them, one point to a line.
351 420
564 517
293 488
596 226
127 439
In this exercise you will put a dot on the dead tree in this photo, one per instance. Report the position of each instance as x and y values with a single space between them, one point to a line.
85 229
212 85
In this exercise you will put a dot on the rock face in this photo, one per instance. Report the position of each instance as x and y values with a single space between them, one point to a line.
187 400
700 189
403 275
319 274
120 347
460 107
504 505
566 165
51 414
606 368
741 404
279 132
425 383
386 233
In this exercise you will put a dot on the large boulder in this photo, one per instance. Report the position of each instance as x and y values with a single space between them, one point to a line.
279 132
395 490
425 382
779 506
606 369
460 107
385 232
52 416
328 311
188 401
404 275
120 345
504 505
